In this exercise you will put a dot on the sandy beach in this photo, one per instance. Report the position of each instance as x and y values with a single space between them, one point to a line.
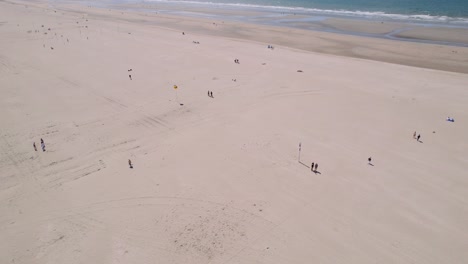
221 179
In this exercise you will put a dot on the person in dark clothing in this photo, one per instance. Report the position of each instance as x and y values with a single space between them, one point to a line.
312 167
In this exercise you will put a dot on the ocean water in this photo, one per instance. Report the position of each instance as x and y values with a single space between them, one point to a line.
437 11
309 14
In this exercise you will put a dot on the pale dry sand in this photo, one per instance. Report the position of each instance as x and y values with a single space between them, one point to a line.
217 180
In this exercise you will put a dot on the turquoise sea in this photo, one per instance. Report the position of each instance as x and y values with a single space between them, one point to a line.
438 11
451 12
310 13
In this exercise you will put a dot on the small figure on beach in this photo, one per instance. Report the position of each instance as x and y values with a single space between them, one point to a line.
312 167
211 94
43 146
370 160
34 145
42 141
183 33
419 136
130 164
130 70
414 135
130 76
236 61
316 167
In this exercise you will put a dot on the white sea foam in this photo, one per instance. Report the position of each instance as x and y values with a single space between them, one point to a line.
356 13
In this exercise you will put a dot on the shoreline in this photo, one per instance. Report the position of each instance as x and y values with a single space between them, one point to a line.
411 51
440 19
312 21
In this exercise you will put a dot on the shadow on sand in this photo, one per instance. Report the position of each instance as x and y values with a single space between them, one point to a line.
304 164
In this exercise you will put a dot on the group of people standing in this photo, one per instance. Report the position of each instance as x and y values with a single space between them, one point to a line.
210 94
416 137
314 167
42 145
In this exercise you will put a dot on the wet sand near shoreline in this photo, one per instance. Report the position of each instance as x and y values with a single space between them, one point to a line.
374 40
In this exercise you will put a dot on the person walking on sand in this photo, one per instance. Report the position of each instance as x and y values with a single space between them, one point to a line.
312 167
130 76
419 136
211 94
208 93
34 145
369 159
130 164
414 135
42 145
316 167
